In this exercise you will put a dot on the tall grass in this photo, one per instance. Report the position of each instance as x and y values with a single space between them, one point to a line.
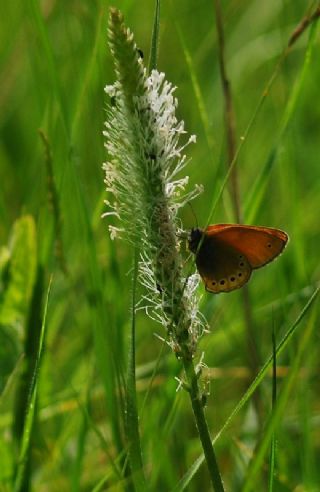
54 66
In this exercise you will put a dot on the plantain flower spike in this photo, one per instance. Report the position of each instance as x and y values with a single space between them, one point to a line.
145 186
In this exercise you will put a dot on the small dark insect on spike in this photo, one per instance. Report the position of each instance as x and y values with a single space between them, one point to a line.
152 156
159 288
140 53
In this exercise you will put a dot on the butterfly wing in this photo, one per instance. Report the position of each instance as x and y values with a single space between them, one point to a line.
222 267
259 245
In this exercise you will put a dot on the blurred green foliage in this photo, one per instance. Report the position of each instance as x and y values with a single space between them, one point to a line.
54 66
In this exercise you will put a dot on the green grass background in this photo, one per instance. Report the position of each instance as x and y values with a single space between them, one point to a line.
54 65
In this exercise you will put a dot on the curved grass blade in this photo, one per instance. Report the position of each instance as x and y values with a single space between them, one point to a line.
247 131
183 483
29 417
259 188
212 145
279 410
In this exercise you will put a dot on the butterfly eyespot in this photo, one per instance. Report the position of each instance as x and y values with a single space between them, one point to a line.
241 264
240 257
232 279
222 282
269 245
239 274
213 283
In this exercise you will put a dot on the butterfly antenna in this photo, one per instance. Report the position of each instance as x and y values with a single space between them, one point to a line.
194 215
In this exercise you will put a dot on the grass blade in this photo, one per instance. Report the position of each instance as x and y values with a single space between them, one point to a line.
212 145
19 485
274 399
254 201
289 386
183 483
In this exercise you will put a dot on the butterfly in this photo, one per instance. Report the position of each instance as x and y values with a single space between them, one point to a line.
226 254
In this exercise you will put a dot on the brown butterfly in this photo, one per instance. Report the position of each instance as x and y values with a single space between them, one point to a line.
226 254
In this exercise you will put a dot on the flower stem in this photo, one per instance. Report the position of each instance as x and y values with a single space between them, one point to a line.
145 156
202 426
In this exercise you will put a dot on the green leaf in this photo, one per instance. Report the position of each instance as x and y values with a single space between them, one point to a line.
18 271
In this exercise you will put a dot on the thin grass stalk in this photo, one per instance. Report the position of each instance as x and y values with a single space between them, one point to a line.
274 400
132 422
155 38
230 123
259 187
233 153
186 479
229 113
54 205
199 99
304 24
282 401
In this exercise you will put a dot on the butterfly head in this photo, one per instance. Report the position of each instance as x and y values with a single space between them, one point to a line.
194 239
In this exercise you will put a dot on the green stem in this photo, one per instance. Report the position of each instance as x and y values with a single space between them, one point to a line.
202 425
155 39
132 419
